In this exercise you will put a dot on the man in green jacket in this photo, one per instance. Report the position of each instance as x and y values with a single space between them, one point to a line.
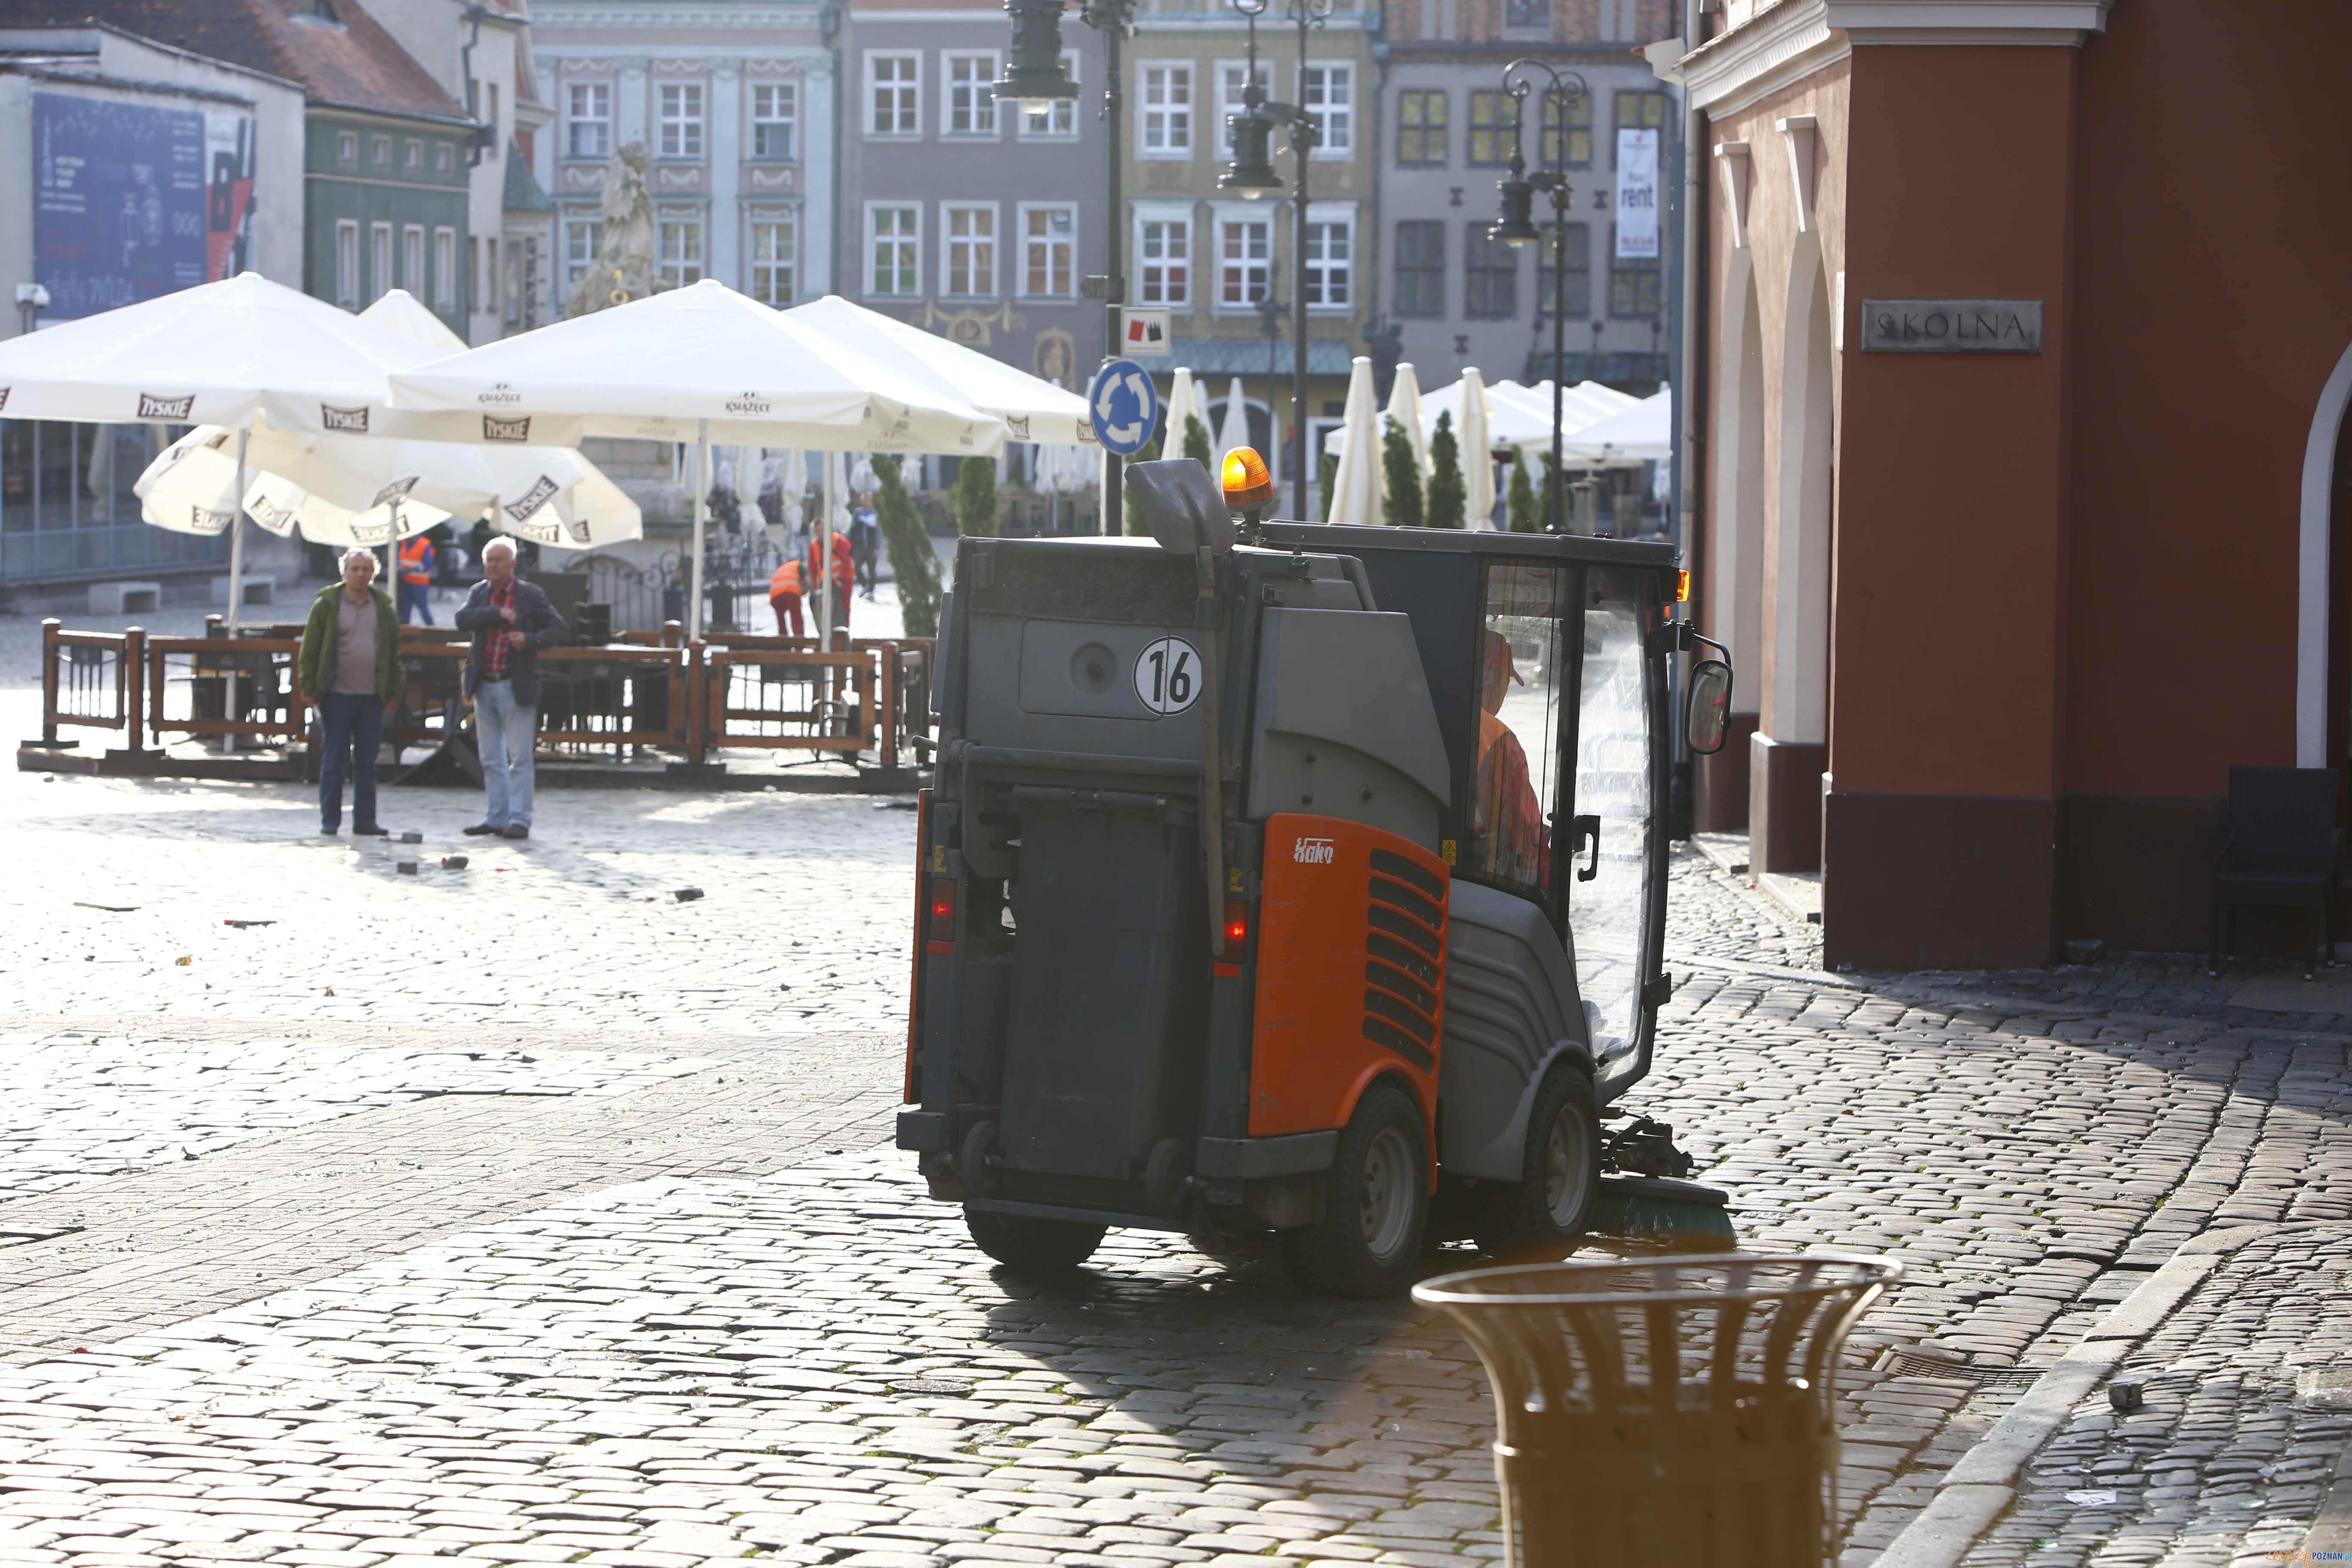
350 671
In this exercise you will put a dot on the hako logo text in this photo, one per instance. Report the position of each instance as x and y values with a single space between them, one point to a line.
153 407
1312 852
347 421
497 430
531 500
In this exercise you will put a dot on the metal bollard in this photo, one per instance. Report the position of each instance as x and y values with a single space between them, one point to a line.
1668 1409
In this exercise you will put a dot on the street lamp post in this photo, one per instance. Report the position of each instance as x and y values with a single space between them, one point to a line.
1036 82
1516 227
1251 173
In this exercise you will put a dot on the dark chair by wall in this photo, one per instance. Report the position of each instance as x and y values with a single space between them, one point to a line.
2280 851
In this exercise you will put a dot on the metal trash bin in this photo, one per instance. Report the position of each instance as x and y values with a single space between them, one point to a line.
1666 1409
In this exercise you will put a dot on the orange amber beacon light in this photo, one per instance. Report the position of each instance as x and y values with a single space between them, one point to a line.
1247 482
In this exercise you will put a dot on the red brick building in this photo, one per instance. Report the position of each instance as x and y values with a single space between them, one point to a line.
2023 498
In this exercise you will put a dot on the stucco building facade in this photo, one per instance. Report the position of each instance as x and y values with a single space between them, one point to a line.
734 102
1463 299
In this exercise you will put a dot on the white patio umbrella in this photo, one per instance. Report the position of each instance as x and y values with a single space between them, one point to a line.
1470 425
401 311
702 363
1356 488
192 488
1404 407
1641 434
1233 430
365 489
1183 402
218 354
1033 409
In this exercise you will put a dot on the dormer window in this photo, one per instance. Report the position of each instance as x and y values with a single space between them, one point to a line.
317 10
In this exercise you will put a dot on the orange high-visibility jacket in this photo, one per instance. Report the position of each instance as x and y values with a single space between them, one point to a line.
416 561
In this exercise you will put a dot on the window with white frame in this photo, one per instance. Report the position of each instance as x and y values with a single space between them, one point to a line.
971 96
969 260
1061 117
347 147
379 261
1244 259
893 249
380 152
1165 105
1049 250
681 106
445 268
893 109
347 263
775 258
1328 94
1163 256
775 115
678 253
583 242
1232 81
1330 257
412 156
411 259
444 160
588 116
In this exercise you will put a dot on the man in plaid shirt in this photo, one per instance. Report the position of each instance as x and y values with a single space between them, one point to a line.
512 621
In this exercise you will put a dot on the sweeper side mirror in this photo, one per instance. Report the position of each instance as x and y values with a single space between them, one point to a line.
1708 706
1182 506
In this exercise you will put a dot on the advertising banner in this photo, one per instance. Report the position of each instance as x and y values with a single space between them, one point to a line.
1637 195
131 201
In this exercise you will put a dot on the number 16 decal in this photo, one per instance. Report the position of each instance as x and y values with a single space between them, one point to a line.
1167 676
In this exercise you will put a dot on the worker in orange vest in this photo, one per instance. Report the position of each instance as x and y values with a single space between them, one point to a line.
844 573
417 558
784 598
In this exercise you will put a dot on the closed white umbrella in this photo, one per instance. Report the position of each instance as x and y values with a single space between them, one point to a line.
1470 427
1183 402
219 353
1233 430
1404 407
401 311
1356 487
1033 409
702 363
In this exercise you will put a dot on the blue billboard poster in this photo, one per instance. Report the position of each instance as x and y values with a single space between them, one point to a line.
132 202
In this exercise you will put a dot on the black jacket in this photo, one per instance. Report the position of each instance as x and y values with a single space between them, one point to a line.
534 617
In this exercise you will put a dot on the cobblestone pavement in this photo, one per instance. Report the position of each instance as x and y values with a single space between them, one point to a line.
2247 1402
663 1324
76 1107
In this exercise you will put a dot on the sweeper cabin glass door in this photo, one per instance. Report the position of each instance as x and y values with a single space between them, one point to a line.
1563 797
1614 896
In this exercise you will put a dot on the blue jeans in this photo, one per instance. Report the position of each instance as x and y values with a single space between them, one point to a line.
354 727
417 596
505 731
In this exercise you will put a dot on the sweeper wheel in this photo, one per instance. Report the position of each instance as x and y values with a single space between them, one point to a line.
1376 1204
1019 1241
1539 1217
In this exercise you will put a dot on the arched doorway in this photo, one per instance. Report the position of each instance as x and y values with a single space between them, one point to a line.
1735 566
1790 748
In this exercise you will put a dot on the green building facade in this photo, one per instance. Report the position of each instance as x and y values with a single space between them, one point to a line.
385 208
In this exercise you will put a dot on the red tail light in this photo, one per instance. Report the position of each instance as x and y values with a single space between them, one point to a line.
1227 964
942 908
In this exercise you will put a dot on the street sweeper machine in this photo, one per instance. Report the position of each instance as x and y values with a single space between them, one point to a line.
1296 886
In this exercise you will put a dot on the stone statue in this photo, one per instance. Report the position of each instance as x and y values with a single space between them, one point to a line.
625 265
